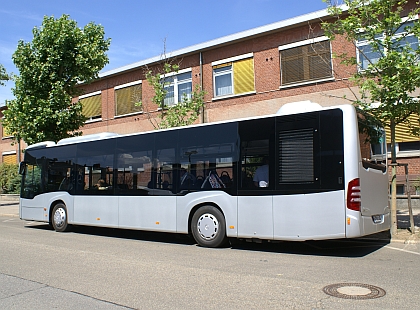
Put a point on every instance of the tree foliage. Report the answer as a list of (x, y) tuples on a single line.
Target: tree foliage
[(9, 179), (183, 113), (3, 75), (59, 57), (389, 84)]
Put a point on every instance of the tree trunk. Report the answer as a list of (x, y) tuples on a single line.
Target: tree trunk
[(393, 180)]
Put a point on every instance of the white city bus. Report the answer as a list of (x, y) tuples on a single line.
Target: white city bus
[(199, 180)]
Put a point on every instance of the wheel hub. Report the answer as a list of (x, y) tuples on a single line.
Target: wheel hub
[(208, 226), (59, 217)]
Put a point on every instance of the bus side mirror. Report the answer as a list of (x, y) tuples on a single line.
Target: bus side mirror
[(22, 168)]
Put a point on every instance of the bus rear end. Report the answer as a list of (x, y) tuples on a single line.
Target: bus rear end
[(367, 207)]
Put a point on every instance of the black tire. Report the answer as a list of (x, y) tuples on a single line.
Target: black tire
[(59, 218), (208, 227)]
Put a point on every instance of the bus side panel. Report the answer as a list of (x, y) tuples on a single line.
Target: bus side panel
[(309, 216), (33, 209), (226, 203), (96, 210), (255, 217), (38, 208), (148, 212)]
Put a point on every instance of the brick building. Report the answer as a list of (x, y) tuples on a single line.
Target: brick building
[(250, 73)]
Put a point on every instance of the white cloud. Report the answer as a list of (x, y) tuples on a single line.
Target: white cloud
[(22, 15)]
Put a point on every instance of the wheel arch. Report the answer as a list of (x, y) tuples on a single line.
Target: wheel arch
[(198, 206), (52, 205)]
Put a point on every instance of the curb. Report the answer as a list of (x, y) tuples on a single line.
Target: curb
[(406, 241), (11, 215)]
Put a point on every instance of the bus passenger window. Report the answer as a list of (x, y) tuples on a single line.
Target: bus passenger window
[(257, 154), (261, 176)]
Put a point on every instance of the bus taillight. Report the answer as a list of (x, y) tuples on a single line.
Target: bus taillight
[(353, 195)]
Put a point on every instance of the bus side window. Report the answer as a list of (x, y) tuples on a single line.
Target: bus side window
[(257, 154)]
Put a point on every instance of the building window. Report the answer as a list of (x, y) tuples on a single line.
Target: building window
[(92, 105), (127, 98), (305, 61), (234, 76), (367, 54), (10, 158), (177, 87), (6, 133), (400, 189), (409, 146)]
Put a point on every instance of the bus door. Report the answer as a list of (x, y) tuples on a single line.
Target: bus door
[(94, 201), (373, 178), (256, 179)]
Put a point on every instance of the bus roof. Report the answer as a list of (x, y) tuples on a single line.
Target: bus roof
[(287, 109)]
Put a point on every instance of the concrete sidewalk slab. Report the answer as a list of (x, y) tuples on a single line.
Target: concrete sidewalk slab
[(9, 208)]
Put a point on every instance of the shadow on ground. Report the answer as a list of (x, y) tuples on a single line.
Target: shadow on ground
[(340, 247)]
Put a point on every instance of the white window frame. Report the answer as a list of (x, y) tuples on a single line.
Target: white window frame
[(128, 84), (303, 43), (229, 71), (124, 86), (90, 94), (362, 43), (403, 154), (92, 120), (8, 153), (175, 84)]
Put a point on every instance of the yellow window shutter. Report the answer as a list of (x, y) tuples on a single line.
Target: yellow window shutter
[(92, 106), (402, 131), (227, 64), (126, 98), (243, 76), (10, 159), (6, 133)]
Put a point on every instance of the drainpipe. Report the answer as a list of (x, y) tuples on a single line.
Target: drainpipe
[(201, 85)]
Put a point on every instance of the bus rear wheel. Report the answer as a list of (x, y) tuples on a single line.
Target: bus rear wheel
[(59, 218), (208, 227)]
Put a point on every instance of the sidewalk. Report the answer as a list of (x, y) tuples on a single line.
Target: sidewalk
[(11, 208), (403, 224)]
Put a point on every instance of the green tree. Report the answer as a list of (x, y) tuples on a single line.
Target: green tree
[(3, 75), (59, 57), (9, 179), (388, 82)]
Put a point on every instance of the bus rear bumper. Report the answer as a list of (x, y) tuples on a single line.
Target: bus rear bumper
[(378, 225), (368, 225)]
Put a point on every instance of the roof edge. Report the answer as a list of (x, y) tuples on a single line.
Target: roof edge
[(223, 40)]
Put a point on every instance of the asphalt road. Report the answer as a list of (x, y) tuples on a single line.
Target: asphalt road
[(100, 268)]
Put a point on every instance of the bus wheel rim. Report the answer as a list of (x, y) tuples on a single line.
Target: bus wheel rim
[(208, 226), (59, 217)]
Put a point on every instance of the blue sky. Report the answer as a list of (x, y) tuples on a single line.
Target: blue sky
[(138, 28)]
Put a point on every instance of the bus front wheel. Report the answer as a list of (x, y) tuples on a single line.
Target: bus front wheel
[(59, 218), (208, 227)]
